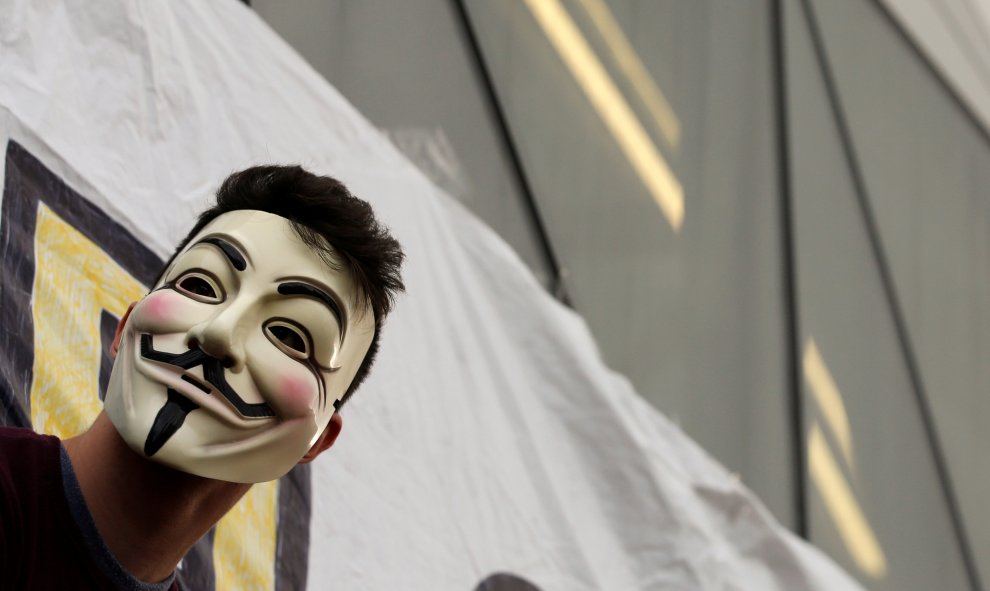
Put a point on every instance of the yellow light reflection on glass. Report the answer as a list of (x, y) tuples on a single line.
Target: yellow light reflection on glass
[(630, 64), (842, 506), (590, 75), (829, 398)]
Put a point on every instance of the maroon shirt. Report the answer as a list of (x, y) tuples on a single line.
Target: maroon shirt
[(47, 536)]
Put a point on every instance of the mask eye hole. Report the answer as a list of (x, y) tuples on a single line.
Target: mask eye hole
[(291, 339), (199, 286)]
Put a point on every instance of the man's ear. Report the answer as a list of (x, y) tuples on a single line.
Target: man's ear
[(115, 345), (326, 439)]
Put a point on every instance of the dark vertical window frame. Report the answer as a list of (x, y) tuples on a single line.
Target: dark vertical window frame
[(890, 293), (799, 475), (558, 286)]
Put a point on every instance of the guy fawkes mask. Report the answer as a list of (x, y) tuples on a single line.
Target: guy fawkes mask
[(233, 365)]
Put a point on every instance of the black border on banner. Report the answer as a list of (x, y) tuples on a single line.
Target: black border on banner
[(28, 183)]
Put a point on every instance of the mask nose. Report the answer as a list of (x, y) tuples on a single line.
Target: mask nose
[(218, 338)]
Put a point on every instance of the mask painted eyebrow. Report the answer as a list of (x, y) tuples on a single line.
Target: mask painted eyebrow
[(230, 251), (305, 289)]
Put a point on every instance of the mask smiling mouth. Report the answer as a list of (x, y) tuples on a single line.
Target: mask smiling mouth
[(173, 414)]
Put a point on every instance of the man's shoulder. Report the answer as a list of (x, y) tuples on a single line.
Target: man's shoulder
[(30, 485), (25, 441), (26, 456), (25, 436)]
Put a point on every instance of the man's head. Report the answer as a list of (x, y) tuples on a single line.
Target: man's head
[(263, 323)]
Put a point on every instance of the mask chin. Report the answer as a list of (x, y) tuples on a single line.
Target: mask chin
[(167, 427), (262, 457)]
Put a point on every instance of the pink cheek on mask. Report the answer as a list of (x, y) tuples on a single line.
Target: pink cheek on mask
[(159, 307), (297, 394)]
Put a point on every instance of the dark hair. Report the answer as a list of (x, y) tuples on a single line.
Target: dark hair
[(329, 220)]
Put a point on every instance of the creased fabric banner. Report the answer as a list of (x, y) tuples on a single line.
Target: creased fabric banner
[(490, 450)]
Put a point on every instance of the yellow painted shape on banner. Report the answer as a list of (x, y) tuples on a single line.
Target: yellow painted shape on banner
[(244, 546), (74, 281)]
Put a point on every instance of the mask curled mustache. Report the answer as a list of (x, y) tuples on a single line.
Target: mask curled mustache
[(173, 414)]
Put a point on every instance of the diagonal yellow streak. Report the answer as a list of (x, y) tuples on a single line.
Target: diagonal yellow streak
[(630, 64), (829, 398), (841, 504), (605, 97)]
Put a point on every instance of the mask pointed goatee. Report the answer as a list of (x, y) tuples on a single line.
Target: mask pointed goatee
[(167, 421)]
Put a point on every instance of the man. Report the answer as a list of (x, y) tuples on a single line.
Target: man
[(230, 372)]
